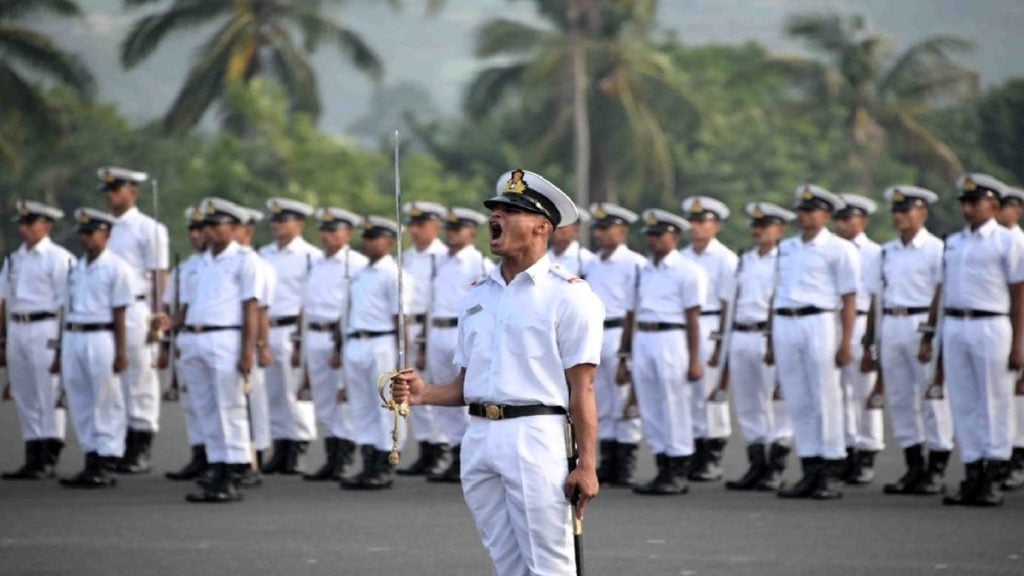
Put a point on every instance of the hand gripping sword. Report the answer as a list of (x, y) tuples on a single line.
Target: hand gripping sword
[(400, 410)]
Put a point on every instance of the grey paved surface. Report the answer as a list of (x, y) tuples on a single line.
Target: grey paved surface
[(296, 528)]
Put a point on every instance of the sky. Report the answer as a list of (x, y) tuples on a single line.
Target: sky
[(436, 51)]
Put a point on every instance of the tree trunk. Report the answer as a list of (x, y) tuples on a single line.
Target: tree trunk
[(580, 91)]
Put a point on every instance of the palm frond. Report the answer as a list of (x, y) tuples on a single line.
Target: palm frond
[(490, 86), (505, 37), (827, 33), (919, 146), (43, 56), (149, 31), (10, 9), (293, 70), (316, 28), (928, 69), (19, 95)]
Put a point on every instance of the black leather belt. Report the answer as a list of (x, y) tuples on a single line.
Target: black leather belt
[(76, 327), (614, 322), (444, 322), (323, 326), (200, 328), (361, 334), (418, 319), (498, 412), (862, 312), (32, 317), (659, 326), (902, 311), (283, 321), (140, 298), (963, 313), (805, 311), (710, 312), (752, 327)]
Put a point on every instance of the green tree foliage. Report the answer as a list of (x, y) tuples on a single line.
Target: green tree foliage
[(1001, 132)]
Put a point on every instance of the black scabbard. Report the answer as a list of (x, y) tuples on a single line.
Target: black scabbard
[(577, 524)]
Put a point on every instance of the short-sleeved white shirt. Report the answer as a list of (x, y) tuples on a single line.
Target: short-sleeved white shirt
[(669, 288), (756, 278), (816, 273), (421, 266), (36, 279), (456, 274), (224, 282), (329, 281), (574, 259), (142, 243), (97, 287), (188, 272), (516, 340), (719, 265), (911, 272), (291, 264), (374, 296), (980, 266), (614, 279), (870, 258)]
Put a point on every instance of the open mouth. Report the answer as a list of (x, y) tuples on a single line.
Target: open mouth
[(495, 230)]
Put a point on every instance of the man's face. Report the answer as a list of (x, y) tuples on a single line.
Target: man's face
[(812, 219), (334, 240), (286, 229), (424, 231), (93, 241), (122, 198), (564, 236), (512, 231), (979, 210), (197, 239), (220, 234), (766, 233), (850, 227), (378, 247), (904, 219), (1009, 215), (610, 237), (459, 237), (704, 230), (662, 243), (34, 230)]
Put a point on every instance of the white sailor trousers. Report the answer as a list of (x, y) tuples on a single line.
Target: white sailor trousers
[(29, 357), (660, 361), (805, 350), (864, 429), (218, 394), (979, 382), (915, 420), (612, 399), (94, 393), (290, 418), (366, 359), (185, 342), (1018, 420), (325, 381), (425, 427), (752, 384), (450, 421), (139, 380), (259, 407), (710, 419), (513, 477)]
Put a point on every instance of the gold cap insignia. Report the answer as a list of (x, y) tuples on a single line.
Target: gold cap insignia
[(452, 216), (416, 211), (367, 223), (108, 176), (328, 216), (970, 185), (83, 218), (808, 193), (275, 207), (652, 219), (696, 206), (211, 209), (758, 213), (197, 215), (898, 196), (600, 214), (23, 209), (516, 184)]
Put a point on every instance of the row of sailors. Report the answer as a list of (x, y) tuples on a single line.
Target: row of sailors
[(648, 354)]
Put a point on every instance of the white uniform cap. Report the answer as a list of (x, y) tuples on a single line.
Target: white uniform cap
[(977, 185), (93, 219), (374, 226), (282, 208), (1012, 193), (608, 214), (768, 213), (29, 208), (658, 221), (701, 207), (217, 210), (814, 197), (423, 210), (194, 216), (464, 217), (112, 177), (531, 192), (901, 194), (857, 205), (332, 216)]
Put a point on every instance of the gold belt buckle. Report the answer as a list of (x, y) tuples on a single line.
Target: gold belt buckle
[(76, 327), (493, 412), (22, 318), (195, 329)]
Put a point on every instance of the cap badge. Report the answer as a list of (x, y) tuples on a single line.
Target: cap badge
[(652, 219), (367, 223), (23, 209), (970, 185), (808, 193), (108, 176), (898, 196), (83, 218), (328, 216), (758, 213), (516, 184), (696, 206), (275, 207), (211, 209), (197, 215), (600, 214), (416, 211), (452, 216)]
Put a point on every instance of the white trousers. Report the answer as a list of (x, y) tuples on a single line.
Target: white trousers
[(366, 359), (612, 398), (710, 419), (450, 421), (259, 408), (185, 342), (762, 419), (94, 392), (980, 385), (422, 418), (29, 357), (915, 420), (805, 350), (663, 394), (290, 418), (1018, 404), (513, 474), (325, 381), (218, 394), (864, 429), (139, 381)]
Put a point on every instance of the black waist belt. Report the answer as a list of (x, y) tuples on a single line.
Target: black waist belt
[(901, 311), (75, 327), (140, 298), (32, 317), (752, 327), (200, 328), (659, 326), (805, 311), (283, 321), (360, 334), (444, 322), (418, 318), (710, 312), (862, 312), (963, 313), (614, 323), (323, 326), (498, 412)]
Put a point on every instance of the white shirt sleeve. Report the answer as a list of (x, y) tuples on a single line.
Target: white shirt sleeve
[(123, 290), (694, 287), (580, 328), (846, 268)]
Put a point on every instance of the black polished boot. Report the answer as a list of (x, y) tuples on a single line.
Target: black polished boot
[(754, 474), (772, 480), (934, 479), (293, 457), (711, 465), (699, 455), (914, 458), (329, 470), (442, 460), (369, 453), (33, 467), (606, 469), (804, 488), (647, 488), (423, 462), (850, 468), (138, 445), (671, 478), (383, 475), (452, 474), (1015, 477), (278, 459), (220, 489), (194, 467), (51, 450), (970, 487), (625, 465), (247, 476), (98, 473), (989, 494), (864, 472), (346, 458), (828, 485)]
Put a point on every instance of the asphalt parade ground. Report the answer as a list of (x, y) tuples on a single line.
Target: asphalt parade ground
[(291, 527)]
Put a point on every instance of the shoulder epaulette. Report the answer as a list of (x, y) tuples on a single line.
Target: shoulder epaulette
[(564, 274)]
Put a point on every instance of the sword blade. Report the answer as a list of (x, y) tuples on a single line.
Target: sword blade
[(398, 258)]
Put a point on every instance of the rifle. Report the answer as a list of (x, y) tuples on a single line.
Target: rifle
[(156, 333), (305, 392), (724, 337), (173, 393), (933, 370), (339, 331), (873, 337), (631, 409), (6, 396), (577, 524), (56, 344)]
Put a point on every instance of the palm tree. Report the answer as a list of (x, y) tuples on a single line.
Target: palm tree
[(255, 37), (882, 97), (593, 69), (25, 53)]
